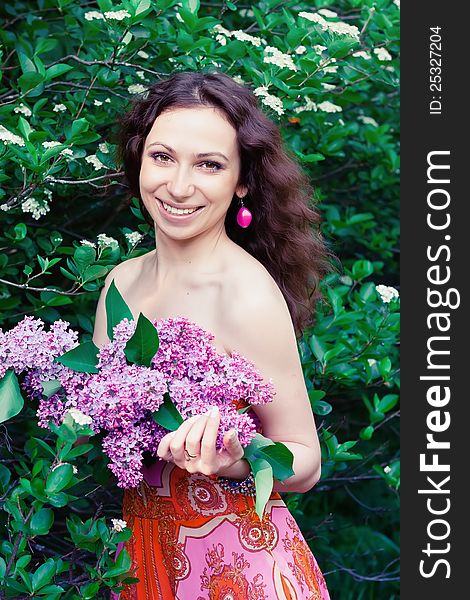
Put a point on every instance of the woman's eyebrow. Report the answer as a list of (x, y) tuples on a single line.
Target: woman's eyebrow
[(200, 155)]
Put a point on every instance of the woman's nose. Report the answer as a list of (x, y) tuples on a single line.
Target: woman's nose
[(180, 183)]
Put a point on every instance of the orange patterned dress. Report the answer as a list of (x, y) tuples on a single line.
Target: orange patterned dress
[(192, 540)]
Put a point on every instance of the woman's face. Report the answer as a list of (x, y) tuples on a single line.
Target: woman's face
[(190, 160)]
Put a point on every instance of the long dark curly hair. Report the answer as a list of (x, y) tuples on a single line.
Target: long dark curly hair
[(284, 234)]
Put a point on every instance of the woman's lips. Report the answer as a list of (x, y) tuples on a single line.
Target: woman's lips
[(176, 218)]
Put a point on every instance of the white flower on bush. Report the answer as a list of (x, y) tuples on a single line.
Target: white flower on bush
[(276, 57), (328, 65), (79, 417), (5, 207), (51, 144), (23, 109), (10, 138), (300, 50), (382, 54), (371, 362), (74, 469), (93, 14), (337, 27), (140, 74), (246, 37), (66, 152), (329, 107), (362, 54), (367, 120), (219, 29), (387, 293), (319, 48), (133, 238), (221, 39), (136, 88), (327, 13), (95, 161), (104, 240), (142, 54), (387, 469), (238, 79), (117, 15), (59, 108), (97, 102), (118, 524), (309, 106), (36, 208), (397, 3), (270, 100), (108, 100), (103, 148), (328, 86), (88, 244)]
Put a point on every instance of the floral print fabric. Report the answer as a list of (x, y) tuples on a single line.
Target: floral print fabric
[(192, 540)]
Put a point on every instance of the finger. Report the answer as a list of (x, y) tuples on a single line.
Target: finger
[(177, 443), (163, 449), (209, 438), (194, 437), (232, 444)]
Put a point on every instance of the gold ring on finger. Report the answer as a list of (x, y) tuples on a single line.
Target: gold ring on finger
[(187, 455)]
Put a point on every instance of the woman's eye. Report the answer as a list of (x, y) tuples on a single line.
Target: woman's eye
[(213, 166), (159, 155), (210, 165)]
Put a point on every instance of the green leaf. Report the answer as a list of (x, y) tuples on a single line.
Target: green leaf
[(49, 388), (280, 458), (44, 574), (90, 590), (94, 272), (387, 403), (29, 80), (57, 70), (361, 269), (42, 521), (11, 400), (191, 5), (20, 230), (59, 478), (168, 415), (83, 358), (116, 309), (264, 481), (317, 347), (121, 566), (84, 256), (140, 6), (24, 127), (321, 408), (143, 345)]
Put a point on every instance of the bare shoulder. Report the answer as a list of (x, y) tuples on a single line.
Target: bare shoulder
[(253, 301), (126, 274)]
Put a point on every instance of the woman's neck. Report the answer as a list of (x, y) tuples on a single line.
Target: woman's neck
[(186, 258)]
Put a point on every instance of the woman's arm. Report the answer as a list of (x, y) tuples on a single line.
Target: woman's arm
[(260, 328)]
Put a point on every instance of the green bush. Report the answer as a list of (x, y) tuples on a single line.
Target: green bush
[(68, 69)]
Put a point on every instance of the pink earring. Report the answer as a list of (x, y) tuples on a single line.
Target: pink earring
[(244, 216)]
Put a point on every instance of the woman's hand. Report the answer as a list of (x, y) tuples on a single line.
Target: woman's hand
[(198, 435)]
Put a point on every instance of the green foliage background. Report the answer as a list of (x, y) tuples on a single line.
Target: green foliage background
[(58, 542)]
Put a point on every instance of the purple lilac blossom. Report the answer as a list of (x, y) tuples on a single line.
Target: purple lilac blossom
[(121, 398)]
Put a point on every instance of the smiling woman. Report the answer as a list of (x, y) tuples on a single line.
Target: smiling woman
[(192, 149)]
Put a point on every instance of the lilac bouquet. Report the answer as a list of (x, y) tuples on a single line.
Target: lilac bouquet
[(148, 379)]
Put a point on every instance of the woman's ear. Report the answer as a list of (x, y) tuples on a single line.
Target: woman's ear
[(241, 191)]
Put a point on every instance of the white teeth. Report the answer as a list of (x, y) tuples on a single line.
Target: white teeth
[(178, 211)]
